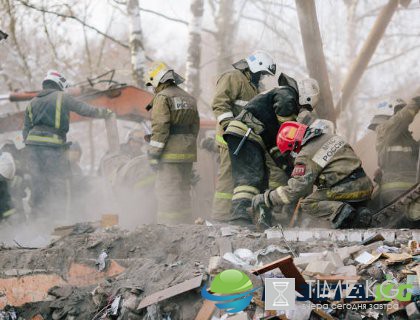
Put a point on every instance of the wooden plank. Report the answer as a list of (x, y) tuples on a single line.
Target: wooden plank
[(206, 311), (171, 292)]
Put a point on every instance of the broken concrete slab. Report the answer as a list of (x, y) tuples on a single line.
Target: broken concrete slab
[(346, 252), (335, 259), (171, 292), (347, 270), (320, 267), (214, 265), (305, 258), (225, 246)]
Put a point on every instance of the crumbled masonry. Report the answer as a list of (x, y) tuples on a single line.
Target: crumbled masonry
[(157, 271)]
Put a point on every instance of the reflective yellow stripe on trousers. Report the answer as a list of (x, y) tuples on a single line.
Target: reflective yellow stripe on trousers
[(223, 195), (244, 192)]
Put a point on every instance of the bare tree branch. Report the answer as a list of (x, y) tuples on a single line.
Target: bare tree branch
[(12, 27), (174, 19), (393, 57), (73, 17)]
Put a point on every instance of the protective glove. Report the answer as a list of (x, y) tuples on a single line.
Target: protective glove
[(208, 144), (262, 199)]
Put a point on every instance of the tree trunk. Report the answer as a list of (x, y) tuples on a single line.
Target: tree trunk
[(194, 48), (314, 55), (138, 56), (225, 34), (360, 63)]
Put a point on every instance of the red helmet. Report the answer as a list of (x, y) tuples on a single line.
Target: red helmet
[(290, 136)]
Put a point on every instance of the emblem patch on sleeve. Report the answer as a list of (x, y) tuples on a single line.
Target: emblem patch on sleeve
[(299, 170)]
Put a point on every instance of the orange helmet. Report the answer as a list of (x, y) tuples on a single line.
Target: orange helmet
[(290, 136)]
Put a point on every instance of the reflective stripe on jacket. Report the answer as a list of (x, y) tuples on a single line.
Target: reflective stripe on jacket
[(233, 91), (47, 117), (175, 125)]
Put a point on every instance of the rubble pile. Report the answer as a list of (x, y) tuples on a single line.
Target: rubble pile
[(157, 271)]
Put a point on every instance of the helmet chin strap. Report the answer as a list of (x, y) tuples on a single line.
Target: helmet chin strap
[(255, 79)]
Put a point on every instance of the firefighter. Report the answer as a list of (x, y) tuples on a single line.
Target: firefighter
[(134, 145), (173, 143), (21, 180), (398, 154), (258, 158), (327, 161), (7, 172), (46, 125), (234, 89)]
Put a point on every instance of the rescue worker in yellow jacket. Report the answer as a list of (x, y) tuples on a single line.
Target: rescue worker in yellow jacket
[(398, 156), (327, 161), (234, 89), (173, 143), (47, 120)]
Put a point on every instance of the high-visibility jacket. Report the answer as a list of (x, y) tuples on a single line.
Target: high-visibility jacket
[(397, 150), (175, 125), (233, 91), (47, 117)]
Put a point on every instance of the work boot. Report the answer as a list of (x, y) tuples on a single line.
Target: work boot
[(343, 218), (363, 218), (240, 214)]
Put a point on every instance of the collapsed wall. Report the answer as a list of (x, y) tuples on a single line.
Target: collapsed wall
[(156, 271)]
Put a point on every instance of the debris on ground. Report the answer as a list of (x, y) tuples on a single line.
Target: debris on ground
[(157, 271)]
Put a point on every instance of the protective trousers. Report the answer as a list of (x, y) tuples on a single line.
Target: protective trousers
[(327, 202), (222, 201), (250, 175), (50, 180), (172, 188)]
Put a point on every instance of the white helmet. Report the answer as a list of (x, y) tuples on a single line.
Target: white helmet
[(57, 77), (308, 92), (261, 61), (326, 126), (160, 72), (7, 166)]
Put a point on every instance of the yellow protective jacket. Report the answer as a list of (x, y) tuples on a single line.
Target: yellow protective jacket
[(175, 125), (233, 91), (397, 150), (326, 161)]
